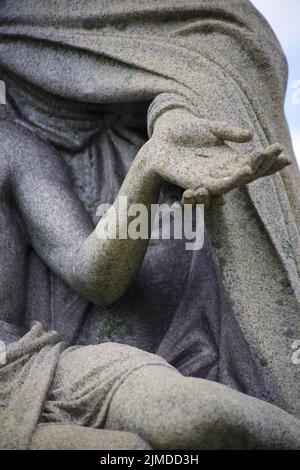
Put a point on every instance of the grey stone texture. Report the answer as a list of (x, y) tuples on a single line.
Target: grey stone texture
[(113, 98)]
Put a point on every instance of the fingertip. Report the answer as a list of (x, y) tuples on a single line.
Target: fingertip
[(272, 151), (282, 162), (246, 171), (246, 136), (276, 149), (188, 193), (201, 192), (238, 135), (189, 197), (286, 162), (202, 196)]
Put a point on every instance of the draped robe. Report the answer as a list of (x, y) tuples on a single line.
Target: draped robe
[(82, 75)]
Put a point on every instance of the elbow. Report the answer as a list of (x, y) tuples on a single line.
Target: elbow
[(100, 283), (99, 293), (102, 298)]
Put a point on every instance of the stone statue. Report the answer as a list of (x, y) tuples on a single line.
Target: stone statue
[(149, 345)]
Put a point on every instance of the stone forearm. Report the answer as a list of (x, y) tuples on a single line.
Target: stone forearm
[(105, 267)]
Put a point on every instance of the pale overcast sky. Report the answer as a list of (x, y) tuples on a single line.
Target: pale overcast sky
[(284, 17)]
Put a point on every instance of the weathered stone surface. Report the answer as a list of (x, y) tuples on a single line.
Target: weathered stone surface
[(72, 437), (84, 83)]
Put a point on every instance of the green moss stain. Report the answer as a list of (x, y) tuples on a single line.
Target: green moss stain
[(222, 264), (267, 132), (217, 244), (285, 286), (288, 333), (111, 330), (118, 329), (263, 362), (238, 195), (288, 249)]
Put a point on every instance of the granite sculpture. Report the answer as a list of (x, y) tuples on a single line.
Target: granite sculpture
[(134, 343)]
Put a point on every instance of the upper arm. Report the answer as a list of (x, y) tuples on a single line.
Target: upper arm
[(56, 221)]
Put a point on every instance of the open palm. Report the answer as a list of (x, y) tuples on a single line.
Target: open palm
[(195, 154)]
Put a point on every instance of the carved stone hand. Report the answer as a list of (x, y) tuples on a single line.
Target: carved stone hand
[(195, 154)]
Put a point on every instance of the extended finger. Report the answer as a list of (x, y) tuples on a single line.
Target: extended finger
[(189, 197), (202, 196), (226, 131), (240, 177), (263, 161), (198, 196), (279, 164)]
